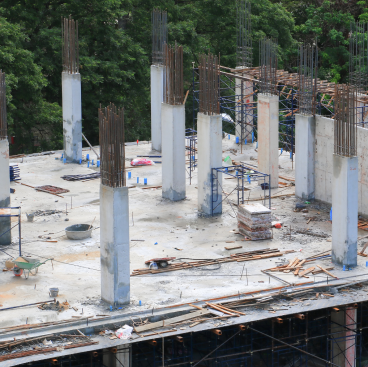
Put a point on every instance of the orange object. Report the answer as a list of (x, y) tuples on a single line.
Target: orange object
[(278, 225)]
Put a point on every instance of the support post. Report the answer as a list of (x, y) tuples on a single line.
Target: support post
[(5, 222), (114, 242), (344, 210), (157, 98), (173, 151), (122, 358), (209, 131), (72, 116), (305, 137), (268, 136)]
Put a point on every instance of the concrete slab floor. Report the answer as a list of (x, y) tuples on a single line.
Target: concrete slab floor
[(175, 226)]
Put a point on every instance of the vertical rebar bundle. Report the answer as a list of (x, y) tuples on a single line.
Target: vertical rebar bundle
[(244, 50), (307, 83), (159, 36), (358, 61), (268, 65), (69, 29), (3, 120), (208, 85), (173, 89), (345, 131), (112, 145)]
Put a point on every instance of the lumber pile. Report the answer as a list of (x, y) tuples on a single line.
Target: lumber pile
[(254, 221), (239, 257)]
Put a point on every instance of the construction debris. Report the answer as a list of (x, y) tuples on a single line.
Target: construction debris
[(90, 176)]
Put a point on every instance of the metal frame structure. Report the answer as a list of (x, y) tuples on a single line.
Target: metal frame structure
[(69, 29), (159, 36), (112, 143), (3, 116), (268, 69), (244, 174), (173, 83), (191, 136), (244, 49)]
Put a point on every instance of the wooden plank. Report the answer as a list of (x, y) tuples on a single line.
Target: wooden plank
[(233, 248), (173, 320), (327, 272), (307, 271)]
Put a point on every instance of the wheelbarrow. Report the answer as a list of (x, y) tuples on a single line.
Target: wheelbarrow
[(26, 268)]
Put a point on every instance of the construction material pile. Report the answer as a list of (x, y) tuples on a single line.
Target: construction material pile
[(254, 221)]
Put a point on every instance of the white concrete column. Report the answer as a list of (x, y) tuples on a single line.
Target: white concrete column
[(121, 358), (173, 151), (114, 245), (5, 223), (344, 210), (209, 138), (157, 97), (72, 116), (268, 137), (243, 94), (305, 137)]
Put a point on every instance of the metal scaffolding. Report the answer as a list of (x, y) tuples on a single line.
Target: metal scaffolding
[(112, 145), (69, 29), (3, 118), (159, 36), (244, 49), (173, 88)]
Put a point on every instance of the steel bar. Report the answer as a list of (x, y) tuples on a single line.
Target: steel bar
[(173, 89), (268, 65), (29, 304), (3, 119), (307, 83), (244, 50), (209, 85), (159, 36), (112, 146), (70, 46)]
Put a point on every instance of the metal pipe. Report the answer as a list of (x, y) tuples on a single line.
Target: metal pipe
[(90, 146), (29, 304)]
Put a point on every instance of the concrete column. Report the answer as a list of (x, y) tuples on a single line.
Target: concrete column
[(243, 112), (268, 137), (344, 210), (114, 245), (343, 344), (157, 97), (122, 358), (173, 151), (209, 138), (72, 116), (5, 223), (305, 137)]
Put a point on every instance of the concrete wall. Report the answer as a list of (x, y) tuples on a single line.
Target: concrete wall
[(4, 191), (72, 116), (173, 151), (157, 97), (268, 137), (114, 245), (323, 163), (209, 133)]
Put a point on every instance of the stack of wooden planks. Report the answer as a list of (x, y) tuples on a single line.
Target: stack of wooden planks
[(241, 256)]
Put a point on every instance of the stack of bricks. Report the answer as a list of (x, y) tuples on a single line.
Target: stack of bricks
[(254, 221)]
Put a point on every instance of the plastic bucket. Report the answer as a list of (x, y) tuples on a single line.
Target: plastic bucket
[(30, 217), (53, 292)]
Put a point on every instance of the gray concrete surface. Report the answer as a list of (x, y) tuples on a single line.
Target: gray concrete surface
[(157, 97)]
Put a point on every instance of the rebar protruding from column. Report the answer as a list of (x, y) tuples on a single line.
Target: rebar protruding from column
[(159, 36), (345, 130), (112, 146), (69, 29), (358, 60), (3, 120), (173, 88), (208, 85), (244, 50), (307, 83), (268, 65)]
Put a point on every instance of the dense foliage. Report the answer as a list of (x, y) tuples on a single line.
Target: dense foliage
[(115, 53)]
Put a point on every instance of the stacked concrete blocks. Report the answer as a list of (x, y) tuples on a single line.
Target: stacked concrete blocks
[(254, 221)]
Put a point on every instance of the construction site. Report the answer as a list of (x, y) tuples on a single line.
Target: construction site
[(239, 241)]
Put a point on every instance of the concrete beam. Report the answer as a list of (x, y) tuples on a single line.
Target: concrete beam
[(114, 245), (344, 210), (173, 152), (305, 137), (268, 137), (209, 137), (5, 222), (72, 116), (157, 97)]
